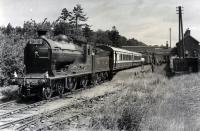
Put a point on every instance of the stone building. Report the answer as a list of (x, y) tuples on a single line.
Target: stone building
[(191, 45)]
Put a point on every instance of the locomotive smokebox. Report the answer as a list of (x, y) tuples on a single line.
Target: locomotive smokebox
[(44, 54)]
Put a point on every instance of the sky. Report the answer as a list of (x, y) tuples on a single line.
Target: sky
[(145, 20)]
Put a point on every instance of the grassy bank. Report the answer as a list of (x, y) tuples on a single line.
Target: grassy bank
[(151, 102), (127, 109), (178, 110), (8, 93)]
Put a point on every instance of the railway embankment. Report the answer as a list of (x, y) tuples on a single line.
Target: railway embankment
[(149, 102), (73, 105), (132, 100)]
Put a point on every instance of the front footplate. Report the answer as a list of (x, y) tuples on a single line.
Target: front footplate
[(30, 86)]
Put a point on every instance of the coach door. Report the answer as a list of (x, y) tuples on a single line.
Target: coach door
[(115, 59)]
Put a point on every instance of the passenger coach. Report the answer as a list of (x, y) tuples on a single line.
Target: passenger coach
[(121, 58)]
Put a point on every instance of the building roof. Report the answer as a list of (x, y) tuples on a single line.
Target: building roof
[(189, 36)]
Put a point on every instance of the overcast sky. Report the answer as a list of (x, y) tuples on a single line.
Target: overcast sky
[(146, 20)]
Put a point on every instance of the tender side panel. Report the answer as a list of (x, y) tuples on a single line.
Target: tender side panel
[(102, 63)]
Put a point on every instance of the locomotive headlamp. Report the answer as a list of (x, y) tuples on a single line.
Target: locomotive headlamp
[(142, 59), (15, 74), (46, 75)]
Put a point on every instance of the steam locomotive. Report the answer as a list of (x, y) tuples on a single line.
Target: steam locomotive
[(56, 66)]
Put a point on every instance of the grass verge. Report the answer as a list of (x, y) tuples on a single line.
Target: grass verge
[(8, 93), (125, 111), (152, 103)]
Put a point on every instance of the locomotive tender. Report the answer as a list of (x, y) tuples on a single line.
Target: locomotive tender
[(55, 66)]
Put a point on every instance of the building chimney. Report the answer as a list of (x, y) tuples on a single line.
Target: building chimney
[(41, 32), (187, 33), (167, 45)]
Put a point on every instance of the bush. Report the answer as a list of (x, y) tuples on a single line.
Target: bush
[(125, 110), (9, 92), (12, 56)]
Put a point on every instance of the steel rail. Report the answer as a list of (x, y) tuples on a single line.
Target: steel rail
[(29, 118), (56, 111), (6, 103)]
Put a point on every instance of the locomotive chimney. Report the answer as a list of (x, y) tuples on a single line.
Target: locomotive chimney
[(41, 33)]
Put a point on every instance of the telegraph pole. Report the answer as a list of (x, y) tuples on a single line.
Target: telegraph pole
[(170, 37), (182, 50)]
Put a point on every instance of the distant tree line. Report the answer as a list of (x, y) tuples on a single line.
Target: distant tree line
[(71, 23)]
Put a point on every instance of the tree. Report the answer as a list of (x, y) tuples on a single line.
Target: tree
[(134, 42), (62, 25), (63, 28), (101, 37), (122, 41), (87, 32), (9, 29), (78, 15), (114, 36), (19, 30), (65, 15), (30, 29)]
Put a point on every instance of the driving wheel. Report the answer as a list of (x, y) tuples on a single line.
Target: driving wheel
[(46, 92), (60, 88), (71, 83)]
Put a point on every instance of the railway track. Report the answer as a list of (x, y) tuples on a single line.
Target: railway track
[(3, 105), (72, 115), (67, 121), (16, 114)]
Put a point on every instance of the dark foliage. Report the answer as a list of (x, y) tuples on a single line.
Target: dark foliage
[(114, 36), (134, 42)]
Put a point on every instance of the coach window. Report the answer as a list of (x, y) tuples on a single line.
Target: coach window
[(118, 57)]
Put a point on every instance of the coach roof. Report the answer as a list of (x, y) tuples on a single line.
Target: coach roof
[(111, 48)]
